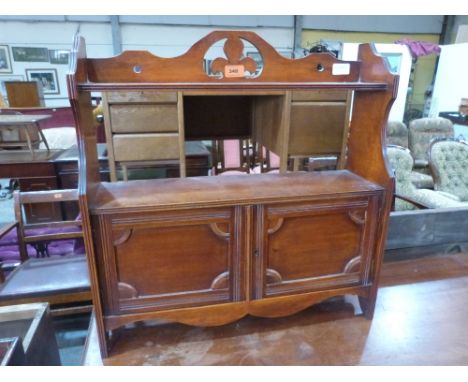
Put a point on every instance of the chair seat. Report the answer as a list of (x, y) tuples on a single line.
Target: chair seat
[(42, 277)]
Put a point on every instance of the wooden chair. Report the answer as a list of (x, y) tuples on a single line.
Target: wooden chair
[(232, 156), (62, 281)]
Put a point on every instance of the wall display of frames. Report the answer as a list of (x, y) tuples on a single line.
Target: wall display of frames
[(29, 54), (5, 61), (47, 77)]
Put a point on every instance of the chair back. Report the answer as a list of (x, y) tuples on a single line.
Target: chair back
[(422, 131), (40, 234), (397, 134), (449, 163), (231, 155), (402, 163)]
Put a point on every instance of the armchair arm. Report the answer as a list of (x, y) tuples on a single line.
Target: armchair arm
[(412, 201)]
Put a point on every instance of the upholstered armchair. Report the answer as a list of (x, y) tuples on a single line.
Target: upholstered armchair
[(448, 160), (407, 196), (421, 132), (397, 133)]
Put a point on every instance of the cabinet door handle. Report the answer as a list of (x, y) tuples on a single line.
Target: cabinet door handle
[(256, 253)]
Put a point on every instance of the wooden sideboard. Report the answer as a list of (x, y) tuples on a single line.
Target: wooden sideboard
[(210, 250)]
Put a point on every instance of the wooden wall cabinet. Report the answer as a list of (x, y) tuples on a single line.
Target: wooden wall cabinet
[(210, 250)]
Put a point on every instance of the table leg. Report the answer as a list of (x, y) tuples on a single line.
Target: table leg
[(28, 139), (42, 136)]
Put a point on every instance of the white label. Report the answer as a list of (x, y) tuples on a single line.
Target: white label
[(341, 69)]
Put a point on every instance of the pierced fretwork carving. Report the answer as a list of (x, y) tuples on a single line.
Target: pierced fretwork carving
[(124, 236), (235, 65)]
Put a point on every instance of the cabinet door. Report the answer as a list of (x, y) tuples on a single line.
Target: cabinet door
[(165, 260), (303, 247)]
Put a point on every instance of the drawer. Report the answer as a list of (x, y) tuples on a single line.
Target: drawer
[(143, 147), (320, 95), (143, 118), (142, 97)]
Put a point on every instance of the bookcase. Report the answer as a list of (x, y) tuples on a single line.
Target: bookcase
[(210, 250)]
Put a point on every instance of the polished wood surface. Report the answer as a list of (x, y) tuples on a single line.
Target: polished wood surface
[(226, 228), (204, 191), (24, 93), (420, 310)]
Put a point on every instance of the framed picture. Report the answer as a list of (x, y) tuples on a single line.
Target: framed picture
[(59, 56), (21, 53), (47, 77), (5, 62), (4, 79)]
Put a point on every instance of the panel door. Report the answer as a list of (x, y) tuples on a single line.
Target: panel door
[(303, 247), (171, 259)]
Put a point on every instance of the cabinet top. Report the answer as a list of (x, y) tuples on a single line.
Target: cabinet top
[(262, 68), (227, 190)]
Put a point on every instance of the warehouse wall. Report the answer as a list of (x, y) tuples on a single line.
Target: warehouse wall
[(172, 35), (424, 68)]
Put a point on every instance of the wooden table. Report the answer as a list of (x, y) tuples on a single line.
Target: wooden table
[(19, 121)]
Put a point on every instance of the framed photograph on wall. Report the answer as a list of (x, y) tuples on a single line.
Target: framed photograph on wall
[(59, 56), (27, 54), (5, 61), (4, 79), (47, 77)]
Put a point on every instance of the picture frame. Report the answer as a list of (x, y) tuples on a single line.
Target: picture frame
[(30, 54), (59, 56), (5, 60), (48, 78), (4, 79)]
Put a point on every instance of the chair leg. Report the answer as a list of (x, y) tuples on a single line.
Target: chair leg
[(42, 250)]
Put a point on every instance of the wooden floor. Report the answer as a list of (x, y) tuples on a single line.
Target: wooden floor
[(421, 318)]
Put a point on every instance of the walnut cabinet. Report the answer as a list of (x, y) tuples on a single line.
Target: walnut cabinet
[(211, 250)]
